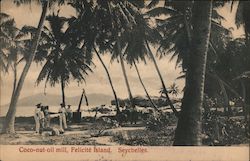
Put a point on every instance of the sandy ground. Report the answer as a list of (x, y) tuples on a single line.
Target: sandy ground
[(87, 133), (75, 136)]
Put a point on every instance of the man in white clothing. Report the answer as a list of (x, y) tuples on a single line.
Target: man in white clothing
[(36, 117), (46, 116), (69, 113), (41, 118), (62, 117)]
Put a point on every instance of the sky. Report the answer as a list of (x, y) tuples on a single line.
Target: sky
[(97, 81)]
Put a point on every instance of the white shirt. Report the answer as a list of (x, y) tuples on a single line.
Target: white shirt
[(41, 115), (62, 110), (37, 111)]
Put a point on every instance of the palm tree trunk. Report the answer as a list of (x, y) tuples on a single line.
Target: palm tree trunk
[(188, 131), (149, 98), (188, 30), (14, 83), (63, 92), (110, 81), (131, 99), (162, 82), (14, 79), (10, 117)]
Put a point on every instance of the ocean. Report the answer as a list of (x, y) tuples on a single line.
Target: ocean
[(26, 111)]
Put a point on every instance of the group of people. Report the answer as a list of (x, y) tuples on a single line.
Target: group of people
[(42, 117)]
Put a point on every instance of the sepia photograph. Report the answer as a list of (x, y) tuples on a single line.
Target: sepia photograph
[(98, 76)]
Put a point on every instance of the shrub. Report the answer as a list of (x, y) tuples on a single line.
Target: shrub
[(102, 124), (223, 130), (160, 121), (145, 137)]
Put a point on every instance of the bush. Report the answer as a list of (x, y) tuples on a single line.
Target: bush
[(102, 124), (160, 121), (223, 130), (145, 138)]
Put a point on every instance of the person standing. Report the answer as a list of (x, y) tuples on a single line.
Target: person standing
[(41, 119), (62, 117), (36, 117), (47, 116), (69, 113)]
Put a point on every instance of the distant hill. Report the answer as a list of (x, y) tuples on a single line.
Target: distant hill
[(53, 100)]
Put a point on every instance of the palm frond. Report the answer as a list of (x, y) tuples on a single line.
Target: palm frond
[(161, 11), (153, 4)]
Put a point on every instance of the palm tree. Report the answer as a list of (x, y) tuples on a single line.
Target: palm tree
[(134, 45), (106, 21), (88, 24), (110, 81), (16, 53), (10, 117), (131, 98), (176, 30), (12, 47), (138, 44), (123, 19), (8, 29), (64, 59), (165, 91), (188, 131), (147, 94)]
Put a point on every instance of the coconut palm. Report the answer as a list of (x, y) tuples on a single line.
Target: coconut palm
[(64, 60), (16, 54), (8, 30), (121, 44), (176, 30), (135, 45), (138, 45), (12, 47), (123, 19), (188, 131), (131, 98), (146, 91), (10, 117), (87, 24), (165, 91), (106, 20), (179, 40)]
